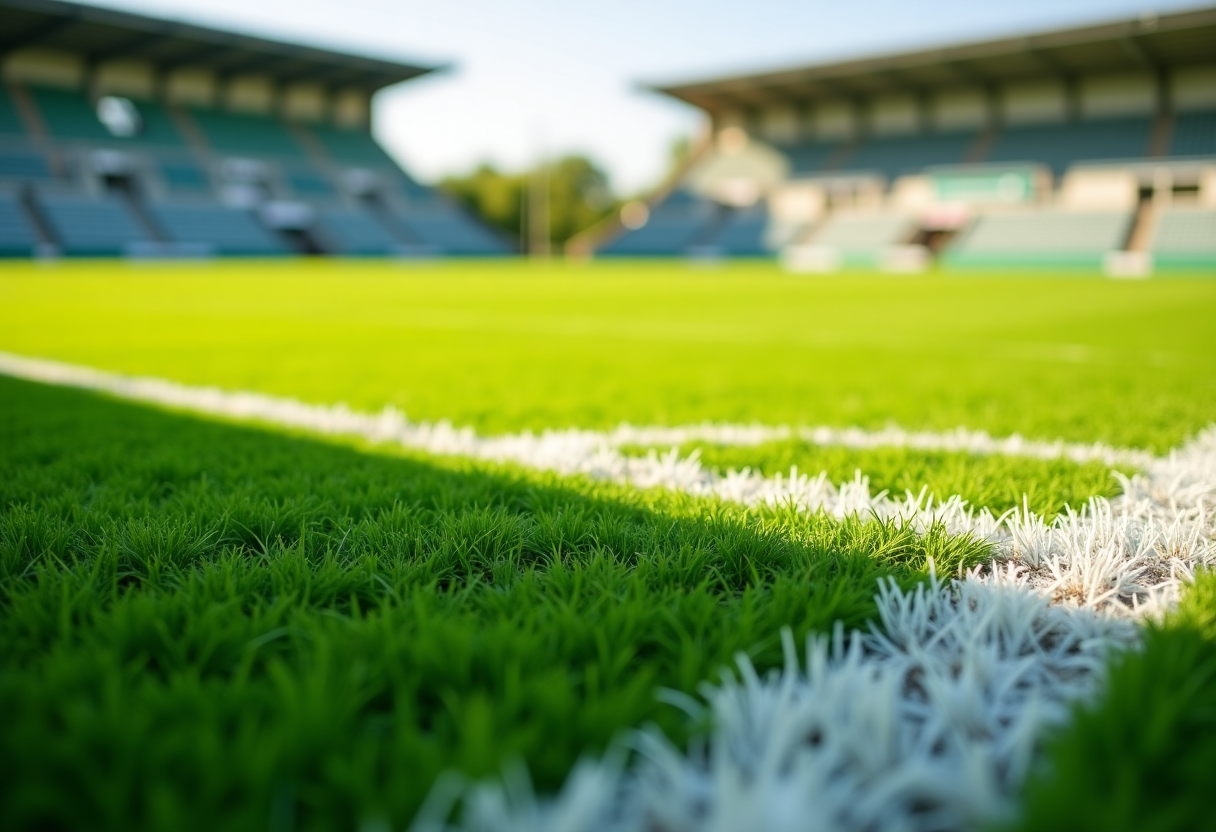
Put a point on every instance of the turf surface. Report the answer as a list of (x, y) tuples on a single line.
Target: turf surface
[(208, 625), (303, 630), (504, 346)]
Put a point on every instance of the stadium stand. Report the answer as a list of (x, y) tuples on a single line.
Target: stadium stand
[(1053, 237), (92, 227), (974, 153), (118, 155), (1185, 237)]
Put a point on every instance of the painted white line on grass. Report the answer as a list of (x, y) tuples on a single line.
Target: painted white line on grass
[(927, 722), (930, 721), (572, 445), (1129, 553)]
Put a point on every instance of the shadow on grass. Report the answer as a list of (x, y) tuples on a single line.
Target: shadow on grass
[(209, 626)]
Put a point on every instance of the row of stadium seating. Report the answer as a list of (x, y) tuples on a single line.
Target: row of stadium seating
[(112, 224), (690, 225), (698, 226), (1055, 145), (177, 177)]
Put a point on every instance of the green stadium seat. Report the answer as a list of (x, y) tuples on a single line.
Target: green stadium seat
[(241, 133), (1060, 145), (1194, 134), (10, 120)]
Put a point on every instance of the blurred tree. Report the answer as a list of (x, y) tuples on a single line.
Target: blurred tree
[(578, 196)]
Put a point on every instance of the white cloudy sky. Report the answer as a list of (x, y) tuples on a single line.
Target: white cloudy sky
[(536, 77)]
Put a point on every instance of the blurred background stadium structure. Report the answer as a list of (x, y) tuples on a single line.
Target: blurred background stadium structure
[(1082, 147), (1095, 146), (124, 134)]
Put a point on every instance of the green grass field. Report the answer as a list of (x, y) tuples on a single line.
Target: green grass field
[(210, 625)]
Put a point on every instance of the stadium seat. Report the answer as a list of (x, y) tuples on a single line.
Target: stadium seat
[(1185, 237), (1194, 134), (861, 238), (677, 223), (1060, 145), (17, 237), (71, 116), (88, 226), (444, 229), (250, 134), (742, 233), (22, 164), (898, 155), (351, 146), (1048, 236), (308, 183), (354, 232), (810, 156), (229, 231), (183, 177), (10, 119)]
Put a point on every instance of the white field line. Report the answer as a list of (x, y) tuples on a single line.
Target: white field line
[(1129, 553), (929, 721)]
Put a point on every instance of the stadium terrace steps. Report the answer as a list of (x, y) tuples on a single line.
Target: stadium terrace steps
[(1046, 236), (88, 226), (743, 232), (183, 177), (350, 146)]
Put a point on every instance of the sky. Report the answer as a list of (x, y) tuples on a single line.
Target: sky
[(532, 79)]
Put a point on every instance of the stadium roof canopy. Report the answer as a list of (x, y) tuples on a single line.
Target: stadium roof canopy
[(1153, 43), (103, 34)]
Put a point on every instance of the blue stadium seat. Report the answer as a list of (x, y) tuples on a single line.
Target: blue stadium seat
[(1194, 134), (17, 237), (22, 164), (810, 156), (230, 231), (356, 232), (183, 177), (898, 155), (87, 226), (446, 230), (742, 234), (10, 120), (677, 223), (1061, 145)]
